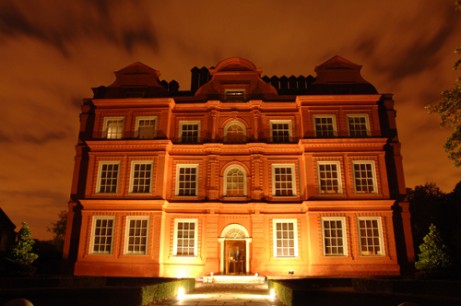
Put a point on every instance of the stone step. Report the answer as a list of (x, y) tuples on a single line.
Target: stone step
[(234, 279)]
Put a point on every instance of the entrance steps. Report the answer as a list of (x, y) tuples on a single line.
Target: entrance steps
[(234, 279)]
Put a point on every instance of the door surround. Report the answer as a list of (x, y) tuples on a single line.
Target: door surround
[(234, 232)]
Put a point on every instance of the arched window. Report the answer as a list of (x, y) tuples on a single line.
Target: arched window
[(234, 132), (235, 182)]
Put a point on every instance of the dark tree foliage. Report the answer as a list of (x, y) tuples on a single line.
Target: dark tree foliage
[(59, 229), (434, 254), (22, 251), (429, 205)]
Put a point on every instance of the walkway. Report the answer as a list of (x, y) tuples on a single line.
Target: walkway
[(212, 294)]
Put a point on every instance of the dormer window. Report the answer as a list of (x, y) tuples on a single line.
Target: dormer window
[(234, 95)]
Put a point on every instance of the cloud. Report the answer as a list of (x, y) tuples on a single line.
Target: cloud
[(122, 23)]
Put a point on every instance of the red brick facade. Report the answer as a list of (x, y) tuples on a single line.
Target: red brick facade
[(243, 174)]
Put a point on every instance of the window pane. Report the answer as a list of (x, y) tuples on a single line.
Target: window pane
[(324, 127), (333, 234), (364, 178), (108, 178), (357, 126), (102, 238), (280, 132), (185, 238), (329, 178), (285, 239), (235, 181), (114, 128), (137, 237), (142, 177), (283, 181), (187, 177), (370, 238), (189, 133)]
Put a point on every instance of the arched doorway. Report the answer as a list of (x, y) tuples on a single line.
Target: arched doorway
[(235, 250)]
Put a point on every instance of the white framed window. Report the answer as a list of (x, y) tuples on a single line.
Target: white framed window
[(185, 237), (235, 182), (107, 177), (325, 125), (281, 130), (189, 131), (370, 236), (235, 132), (358, 125), (334, 236), (113, 127), (329, 173), (234, 95), (364, 173), (283, 180), (285, 237), (186, 180), (141, 177), (136, 236), (102, 234), (146, 127)]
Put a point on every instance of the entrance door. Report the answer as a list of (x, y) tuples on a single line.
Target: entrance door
[(235, 261)]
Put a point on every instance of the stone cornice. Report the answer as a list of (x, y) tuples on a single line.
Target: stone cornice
[(343, 100), (128, 145)]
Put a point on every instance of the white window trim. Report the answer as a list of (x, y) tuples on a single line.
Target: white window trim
[(175, 237), (106, 120), (98, 180), (127, 231), (178, 166), (295, 234), (290, 127), (373, 171), (344, 237), (335, 128), (244, 179), (367, 122), (138, 162), (380, 232), (139, 118), (340, 183), (93, 227), (184, 122), (293, 178)]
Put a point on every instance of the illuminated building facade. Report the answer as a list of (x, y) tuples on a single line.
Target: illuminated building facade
[(242, 174)]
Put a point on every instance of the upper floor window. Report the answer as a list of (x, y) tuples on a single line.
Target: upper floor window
[(234, 182), (107, 177), (234, 132), (113, 127), (334, 236), (234, 95), (102, 235), (185, 237), (141, 177), (136, 237), (370, 236), (189, 131), (329, 177), (146, 127), (285, 235), (358, 125), (280, 130), (283, 180), (325, 125), (364, 176), (186, 180)]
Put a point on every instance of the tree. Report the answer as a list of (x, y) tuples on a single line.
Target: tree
[(449, 109), (59, 230), (21, 251), (434, 254)]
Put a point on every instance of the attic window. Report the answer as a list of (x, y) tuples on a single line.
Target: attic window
[(234, 95)]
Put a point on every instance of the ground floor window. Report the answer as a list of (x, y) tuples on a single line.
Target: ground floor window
[(285, 237), (102, 238), (136, 236), (185, 237), (334, 236), (370, 236)]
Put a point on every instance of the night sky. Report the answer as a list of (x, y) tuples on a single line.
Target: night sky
[(53, 52)]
